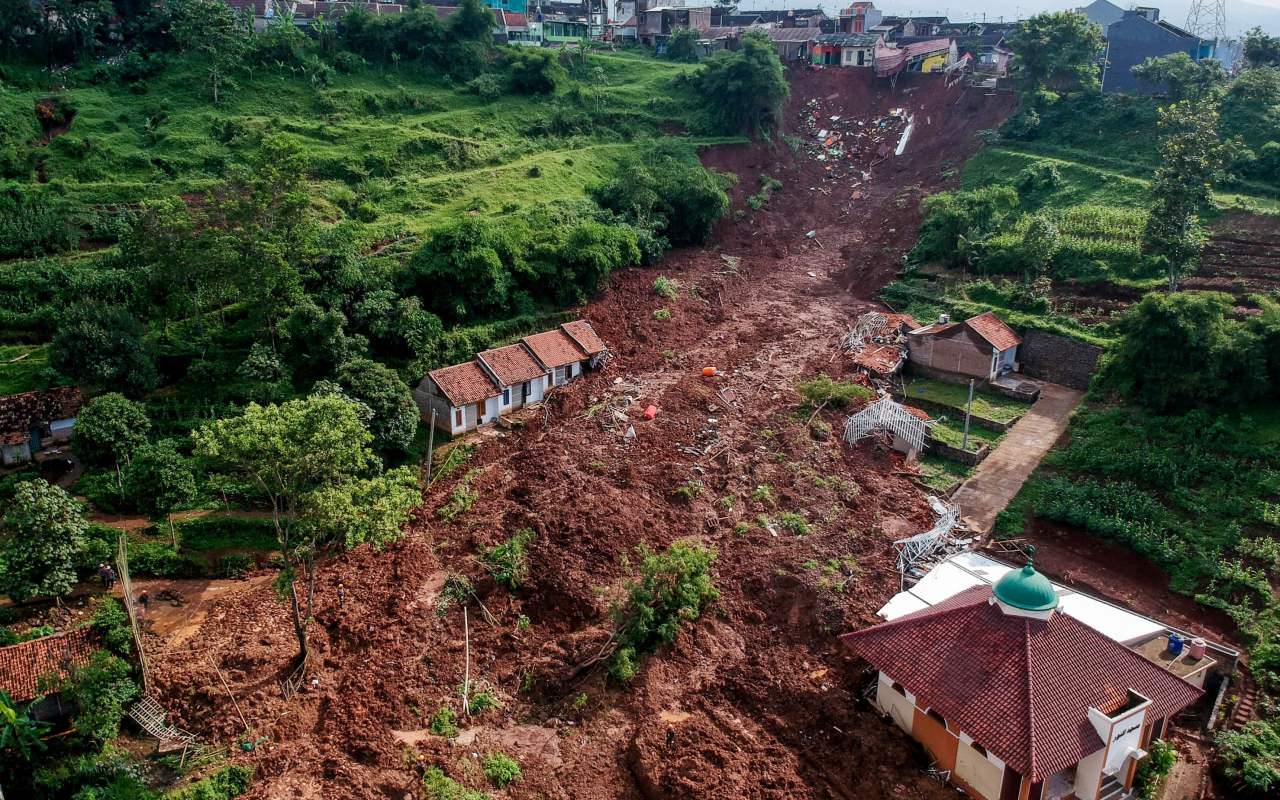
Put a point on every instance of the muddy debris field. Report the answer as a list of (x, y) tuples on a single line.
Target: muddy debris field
[(756, 699)]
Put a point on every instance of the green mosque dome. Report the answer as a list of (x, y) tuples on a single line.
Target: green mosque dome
[(1026, 589)]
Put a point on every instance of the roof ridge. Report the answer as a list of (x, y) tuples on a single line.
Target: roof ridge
[(1031, 700), (930, 612)]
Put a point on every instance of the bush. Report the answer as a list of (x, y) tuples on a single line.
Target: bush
[(444, 722), (501, 769), (674, 586), (508, 562), (794, 523), (216, 532), (439, 786), (827, 391), (1160, 759), (112, 623), (666, 287), (1250, 758), (535, 71), (163, 561), (955, 223), (487, 86), (665, 190), (100, 691), (228, 782)]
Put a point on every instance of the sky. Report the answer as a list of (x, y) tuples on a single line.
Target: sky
[(1240, 15)]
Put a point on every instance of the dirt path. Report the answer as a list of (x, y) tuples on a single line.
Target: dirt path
[(755, 700), (1000, 475)]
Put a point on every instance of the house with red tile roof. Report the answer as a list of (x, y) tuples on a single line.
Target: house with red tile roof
[(1018, 699), (518, 375), (23, 666), (981, 347), (467, 396)]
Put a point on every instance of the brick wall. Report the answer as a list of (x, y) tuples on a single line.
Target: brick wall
[(1058, 359)]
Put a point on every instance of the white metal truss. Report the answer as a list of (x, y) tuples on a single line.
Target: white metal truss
[(882, 416), (915, 549), (863, 332)]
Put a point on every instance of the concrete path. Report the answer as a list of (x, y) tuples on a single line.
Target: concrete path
[(999, 477)]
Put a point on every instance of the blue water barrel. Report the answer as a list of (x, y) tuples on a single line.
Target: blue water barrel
[(1175, 644)]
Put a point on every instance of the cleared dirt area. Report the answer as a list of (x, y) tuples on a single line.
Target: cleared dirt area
[(756, 699)]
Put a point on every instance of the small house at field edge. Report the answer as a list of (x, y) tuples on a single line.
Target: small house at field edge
[(463, 397), (518, 375), (24, 665), (1020, 693), (982, 347), (30, 419)]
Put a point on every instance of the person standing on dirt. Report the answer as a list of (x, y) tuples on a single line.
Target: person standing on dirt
[(102, 576), (108, 577), (144, 600), (342, 595)]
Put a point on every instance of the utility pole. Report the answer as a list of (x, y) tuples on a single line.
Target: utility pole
[(967, 410), (431, 447)]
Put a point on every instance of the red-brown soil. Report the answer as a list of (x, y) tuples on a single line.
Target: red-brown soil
[(756, 699)]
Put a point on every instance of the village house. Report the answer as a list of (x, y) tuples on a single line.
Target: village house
[(1141, 34), (31, 420), (24, 665), (1102, 13), (498, 381), (794, 44), (655, 25), (859, 18), (463, 396), (1024, 690), (910, 54), (980, 347), (880, 348), (517, 374), (846, 49)]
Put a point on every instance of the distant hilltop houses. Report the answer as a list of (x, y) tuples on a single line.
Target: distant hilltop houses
[(858, 36)]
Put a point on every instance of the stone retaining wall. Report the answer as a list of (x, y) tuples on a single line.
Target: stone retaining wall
[(1057, 359)]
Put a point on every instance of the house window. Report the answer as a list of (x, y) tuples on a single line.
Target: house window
[(506, 396), (457, 416)]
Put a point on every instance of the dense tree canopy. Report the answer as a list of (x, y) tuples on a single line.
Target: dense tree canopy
[(1261, 49), (1057, 50), (1181, 77), (41, 534), (1181, 351), (744, 89), (110, 429), (394, 414)]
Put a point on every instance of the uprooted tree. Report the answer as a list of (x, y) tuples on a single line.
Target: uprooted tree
[(311, 460)]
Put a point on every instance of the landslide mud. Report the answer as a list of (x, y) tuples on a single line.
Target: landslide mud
[(756, 699)]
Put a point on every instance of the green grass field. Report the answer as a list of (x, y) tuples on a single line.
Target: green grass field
[(994, 407), (20, 367)]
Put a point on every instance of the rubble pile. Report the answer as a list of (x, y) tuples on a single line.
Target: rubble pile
[(848, 145)]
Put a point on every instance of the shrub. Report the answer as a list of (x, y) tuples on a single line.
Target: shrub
[(662, 314), (100, 691), (535, 71), (666, 287), (228, 782), (794, 523), (482, 701), (673, 588), (956, 222), (112, 623), (664, 189), (439, 786), (508, 562), (487, 86), (827, 391), (689, 490), (1251, 757), (1160, 759), (444, 723), (501, 769)]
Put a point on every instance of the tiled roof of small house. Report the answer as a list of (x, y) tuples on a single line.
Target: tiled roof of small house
[(512, 364), (584, 336), (554, 348), (1021, 687), (993, 329), (23, 665), (793, 34), (19, 413), (465, 383)]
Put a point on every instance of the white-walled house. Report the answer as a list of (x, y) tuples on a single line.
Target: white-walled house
[(504, 379), (520, 379), (558, 353), (463, 396), (1024, 690)]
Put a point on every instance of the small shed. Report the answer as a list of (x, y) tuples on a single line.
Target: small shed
[(463, 396), (981, 347), (518, 375)]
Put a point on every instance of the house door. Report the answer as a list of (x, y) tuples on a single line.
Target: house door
[(525, 389)]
